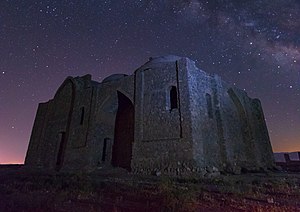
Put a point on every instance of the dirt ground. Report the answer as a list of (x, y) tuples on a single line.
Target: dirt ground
[(116, 190)]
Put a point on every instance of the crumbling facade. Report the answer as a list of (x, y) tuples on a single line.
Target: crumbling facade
[(168, 117)]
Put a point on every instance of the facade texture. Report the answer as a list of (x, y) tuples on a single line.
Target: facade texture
[(168, 117)]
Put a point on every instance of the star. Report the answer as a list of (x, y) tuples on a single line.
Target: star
[(253, 45)]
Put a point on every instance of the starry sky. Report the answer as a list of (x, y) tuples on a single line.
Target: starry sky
[(252, 44)]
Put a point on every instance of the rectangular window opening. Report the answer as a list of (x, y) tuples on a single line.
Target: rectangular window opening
[(82, 116), (173, 98), (61, 150), (105, 143)]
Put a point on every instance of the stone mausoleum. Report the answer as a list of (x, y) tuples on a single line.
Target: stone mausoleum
[(168, 117)]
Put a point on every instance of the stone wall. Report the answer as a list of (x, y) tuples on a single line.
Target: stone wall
[(102, 129), (228, 128), (206, 150), (35, 148), (168, 117), (162, 138)]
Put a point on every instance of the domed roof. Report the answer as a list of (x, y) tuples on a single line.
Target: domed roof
[(114, 77), (158, 62), (167, 58)]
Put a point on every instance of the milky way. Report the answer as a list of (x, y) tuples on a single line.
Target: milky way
[(254, 45)]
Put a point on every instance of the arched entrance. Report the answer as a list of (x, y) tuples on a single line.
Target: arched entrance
[(124, 133), (246, 132)]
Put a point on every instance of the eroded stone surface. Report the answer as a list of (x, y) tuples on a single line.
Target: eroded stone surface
[(169, 117)]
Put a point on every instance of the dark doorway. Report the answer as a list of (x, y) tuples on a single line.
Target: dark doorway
[(82, 116), (61, 150), (124, 133), (173, 97), (105, 144)]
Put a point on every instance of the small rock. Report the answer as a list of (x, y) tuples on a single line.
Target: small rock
[(212, 169), (158, 173), (270, 200), (213, 174), (215, 169)]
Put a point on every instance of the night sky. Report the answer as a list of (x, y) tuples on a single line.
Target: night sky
[(253, 44)]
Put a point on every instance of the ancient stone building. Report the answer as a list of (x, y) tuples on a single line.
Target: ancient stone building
[(168, 117)]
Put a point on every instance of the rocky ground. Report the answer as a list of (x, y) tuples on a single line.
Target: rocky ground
[(23, 190)]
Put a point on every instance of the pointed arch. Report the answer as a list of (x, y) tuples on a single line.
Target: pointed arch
[(124, 133), (244, 124)]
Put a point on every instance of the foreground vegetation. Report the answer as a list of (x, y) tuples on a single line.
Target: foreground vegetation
[(23, 190)]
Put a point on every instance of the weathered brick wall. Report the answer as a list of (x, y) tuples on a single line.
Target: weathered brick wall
[(102, 123), (206, 150), (162, 141), (184, 121), (34, 155), (228, 128)]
